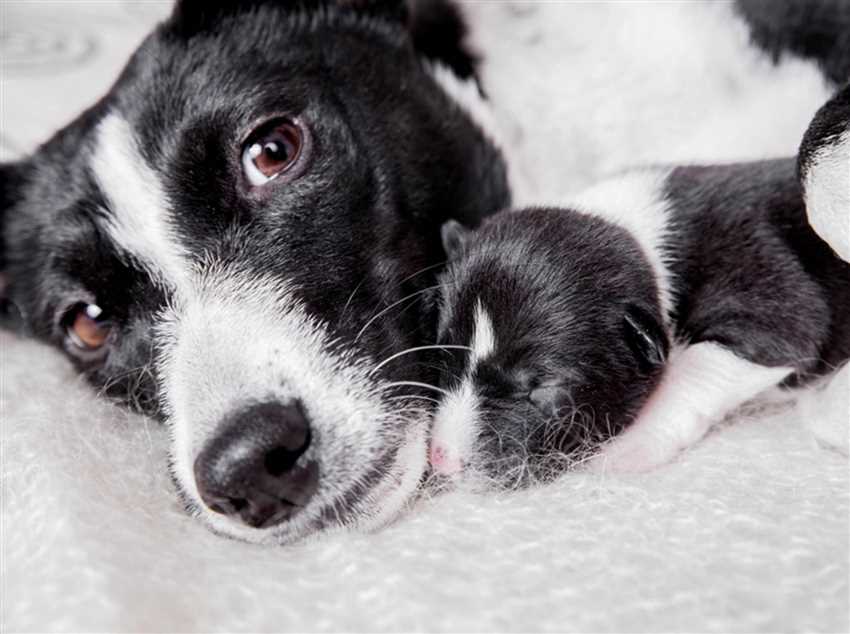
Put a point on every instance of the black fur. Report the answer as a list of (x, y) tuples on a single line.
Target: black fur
[(438, 33), (751, 274), (812, 29), (579, 340)]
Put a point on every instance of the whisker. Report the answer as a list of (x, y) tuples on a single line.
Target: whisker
[(420, 271), (351, 297), (390, 307), (415, 384), (416, 349), (413, 396)]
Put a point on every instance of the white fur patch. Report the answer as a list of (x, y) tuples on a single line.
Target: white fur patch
[(635, 201), (702, 384), (596, 87), (483, 336), (456, 421), (827, 187), (240, 338), (138, 214), (454, 429)]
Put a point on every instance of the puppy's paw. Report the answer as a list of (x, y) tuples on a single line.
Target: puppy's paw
[(629, 457)]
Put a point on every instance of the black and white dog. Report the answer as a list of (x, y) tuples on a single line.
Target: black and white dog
[(238, 233), (237, 237)]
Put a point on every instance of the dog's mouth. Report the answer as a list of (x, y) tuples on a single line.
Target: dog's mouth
[(273, 442), (373, 498)]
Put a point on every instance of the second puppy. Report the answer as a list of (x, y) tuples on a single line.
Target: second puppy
[(659, 302)]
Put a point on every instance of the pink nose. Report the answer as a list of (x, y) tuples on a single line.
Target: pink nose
[(443, 462)]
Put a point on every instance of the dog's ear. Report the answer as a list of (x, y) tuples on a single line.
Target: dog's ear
[(191, 17), (454, 237), (824, 168), (438, 31), (10, 187), (11, 184), (645, 337)]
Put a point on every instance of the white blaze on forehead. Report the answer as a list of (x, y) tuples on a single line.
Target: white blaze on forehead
[(483, 337), (457, 419), (827, 186), (636, 202), (137, 219)]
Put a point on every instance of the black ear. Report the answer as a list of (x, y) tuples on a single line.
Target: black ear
[(454, 236), (824, 169), (11, 182), (645, 337), (439, 31), (191, 17), (11, 185)]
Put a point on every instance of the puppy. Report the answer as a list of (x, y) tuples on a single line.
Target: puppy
[(561, 315), (657, 303)]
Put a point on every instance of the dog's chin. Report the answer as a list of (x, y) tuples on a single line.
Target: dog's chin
[(397, 475)]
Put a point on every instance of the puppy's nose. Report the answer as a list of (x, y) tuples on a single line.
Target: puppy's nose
[(253, 470)]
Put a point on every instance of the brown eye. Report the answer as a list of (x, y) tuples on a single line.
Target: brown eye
[(86, 329), (271, 150)]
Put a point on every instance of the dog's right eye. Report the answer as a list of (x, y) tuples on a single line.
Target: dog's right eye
[(272, 150), (86, 331)]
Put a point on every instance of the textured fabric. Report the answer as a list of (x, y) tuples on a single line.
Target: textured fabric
[(746, 532)]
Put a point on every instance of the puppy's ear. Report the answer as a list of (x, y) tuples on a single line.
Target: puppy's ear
[(645, 337), (191, 17), (454, 236), (824, 168)]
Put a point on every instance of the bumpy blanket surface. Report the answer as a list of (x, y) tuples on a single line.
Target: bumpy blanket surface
[(749, 531)]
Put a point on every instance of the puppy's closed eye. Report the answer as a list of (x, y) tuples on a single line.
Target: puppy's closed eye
[(645, 337), (551, 399)]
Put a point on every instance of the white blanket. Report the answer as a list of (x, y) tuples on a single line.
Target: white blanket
[(749, 531)]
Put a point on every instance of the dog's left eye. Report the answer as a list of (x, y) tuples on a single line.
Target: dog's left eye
[(86, 330), (271, 150)]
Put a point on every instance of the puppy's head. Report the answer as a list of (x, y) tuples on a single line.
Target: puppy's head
[(560, 316), (237, 235)]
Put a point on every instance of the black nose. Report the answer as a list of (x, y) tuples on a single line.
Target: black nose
[(253, 468)]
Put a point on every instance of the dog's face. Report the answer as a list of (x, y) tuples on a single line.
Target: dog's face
[(559, 313), (238, 234)]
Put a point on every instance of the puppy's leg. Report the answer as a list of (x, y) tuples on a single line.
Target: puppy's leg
[(701, 384)]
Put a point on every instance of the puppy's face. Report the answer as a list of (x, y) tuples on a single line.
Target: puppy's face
[(237, 235), (559, 314)]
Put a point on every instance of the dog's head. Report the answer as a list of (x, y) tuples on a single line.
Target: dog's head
[(238, 234)]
